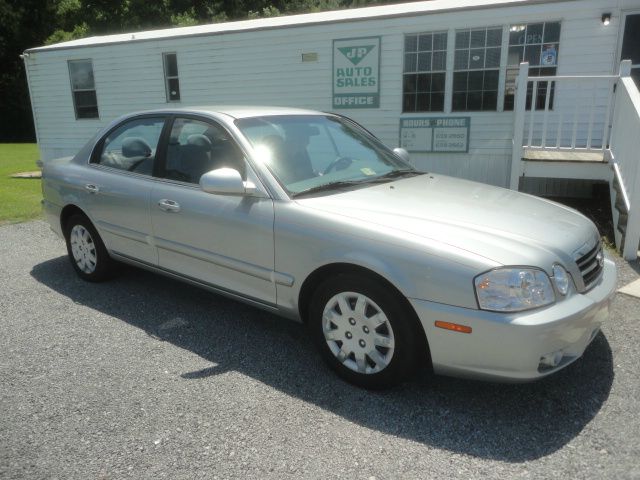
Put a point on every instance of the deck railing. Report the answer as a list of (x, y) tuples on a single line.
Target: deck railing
[(592, 115), (625, 159), (568, 113)]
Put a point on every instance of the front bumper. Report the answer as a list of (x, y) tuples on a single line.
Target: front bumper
[(509, 347)]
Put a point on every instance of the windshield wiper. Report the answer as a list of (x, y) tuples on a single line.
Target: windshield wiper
[(349, 183), (331, 186), (394, 174)]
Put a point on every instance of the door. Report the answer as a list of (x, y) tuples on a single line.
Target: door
[(118, 188), (631, 44), (225, 241)]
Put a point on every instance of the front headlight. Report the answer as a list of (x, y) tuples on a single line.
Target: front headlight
[(513, 289)]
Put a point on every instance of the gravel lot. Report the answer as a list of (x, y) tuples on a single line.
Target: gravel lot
[(144, 377)]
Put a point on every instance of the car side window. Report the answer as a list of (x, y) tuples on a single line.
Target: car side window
[(197, 147), (132, 146)]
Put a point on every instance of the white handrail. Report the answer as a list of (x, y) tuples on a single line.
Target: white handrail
[(549, 78), (625, 150), (611, 123), (590, 129), (623, 190), (584, 105), (520, 99)]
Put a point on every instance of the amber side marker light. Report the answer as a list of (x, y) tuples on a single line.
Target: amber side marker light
[(453, 326)]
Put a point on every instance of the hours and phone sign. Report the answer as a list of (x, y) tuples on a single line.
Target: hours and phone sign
[(435, 134)]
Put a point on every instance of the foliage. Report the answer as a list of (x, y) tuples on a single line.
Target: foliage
[(19, 197), (23, 24)]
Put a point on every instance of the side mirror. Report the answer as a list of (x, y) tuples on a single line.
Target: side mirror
[(224, 181), (402, 153)]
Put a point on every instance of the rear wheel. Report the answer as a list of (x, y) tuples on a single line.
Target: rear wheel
[(363, 331), (87, 253)]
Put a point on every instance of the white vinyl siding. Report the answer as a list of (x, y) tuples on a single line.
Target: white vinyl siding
[(265, 67)]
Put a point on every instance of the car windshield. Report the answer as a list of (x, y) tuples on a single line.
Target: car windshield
[(310, 153)]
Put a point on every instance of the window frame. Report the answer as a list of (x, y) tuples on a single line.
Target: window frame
[(431, 72), (167, 77), (161, 165), (94, 158), (450, 63), (534, 70), (469, 69), (74, 90)]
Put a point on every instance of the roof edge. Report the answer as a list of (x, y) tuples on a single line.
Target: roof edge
[(311, 19)]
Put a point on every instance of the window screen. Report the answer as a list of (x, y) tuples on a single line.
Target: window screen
[(425, 59), (476, 69), (83, 90)]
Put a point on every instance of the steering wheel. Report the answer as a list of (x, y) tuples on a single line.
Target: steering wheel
[(340, 163)]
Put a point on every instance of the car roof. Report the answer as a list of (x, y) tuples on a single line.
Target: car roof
[(234, 111)]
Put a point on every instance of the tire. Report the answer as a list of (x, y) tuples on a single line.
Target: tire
[(373, 347), (87, 253)]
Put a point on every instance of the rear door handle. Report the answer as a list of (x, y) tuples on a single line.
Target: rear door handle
[(91, 188), (169, 205)]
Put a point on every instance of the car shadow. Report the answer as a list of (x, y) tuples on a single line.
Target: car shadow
[(512, 423)]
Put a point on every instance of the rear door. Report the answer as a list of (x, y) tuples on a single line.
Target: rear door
[(225, 241), (118, 187)]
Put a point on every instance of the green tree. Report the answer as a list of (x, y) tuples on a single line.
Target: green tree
[(23, 24)]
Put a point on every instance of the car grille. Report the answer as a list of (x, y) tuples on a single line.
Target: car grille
[(591, 265)]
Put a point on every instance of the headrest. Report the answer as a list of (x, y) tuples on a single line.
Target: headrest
[(272, 141), (199, 140), (301, 130), (135, 147)]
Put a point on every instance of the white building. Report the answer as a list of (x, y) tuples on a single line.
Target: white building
[(437, 77)]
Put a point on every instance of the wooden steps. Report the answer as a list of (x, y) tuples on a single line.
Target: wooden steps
[(553, 163), (529, 155)]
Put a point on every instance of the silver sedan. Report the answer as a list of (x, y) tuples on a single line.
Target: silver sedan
[(308, 215)]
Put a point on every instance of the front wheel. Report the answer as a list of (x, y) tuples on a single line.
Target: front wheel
[(87, 252), (363, 331)]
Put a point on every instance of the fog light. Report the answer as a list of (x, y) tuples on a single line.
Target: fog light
[(551, 360)]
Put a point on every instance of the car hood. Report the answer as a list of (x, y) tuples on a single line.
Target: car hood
[(503, 226)]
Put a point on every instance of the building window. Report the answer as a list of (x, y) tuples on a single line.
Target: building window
[(83, 88), (538, 44), (476, 69), (171, 81), (425, 61)]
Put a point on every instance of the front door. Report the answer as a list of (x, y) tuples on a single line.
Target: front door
[(118, 188), (631, 44), (225, 241)]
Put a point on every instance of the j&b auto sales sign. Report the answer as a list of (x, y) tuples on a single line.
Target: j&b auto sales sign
[(356, 73)]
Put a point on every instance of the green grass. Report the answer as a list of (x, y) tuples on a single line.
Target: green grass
[(19, 197)]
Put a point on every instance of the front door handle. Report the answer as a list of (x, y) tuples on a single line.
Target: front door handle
[(91, 188), (169, 205)]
